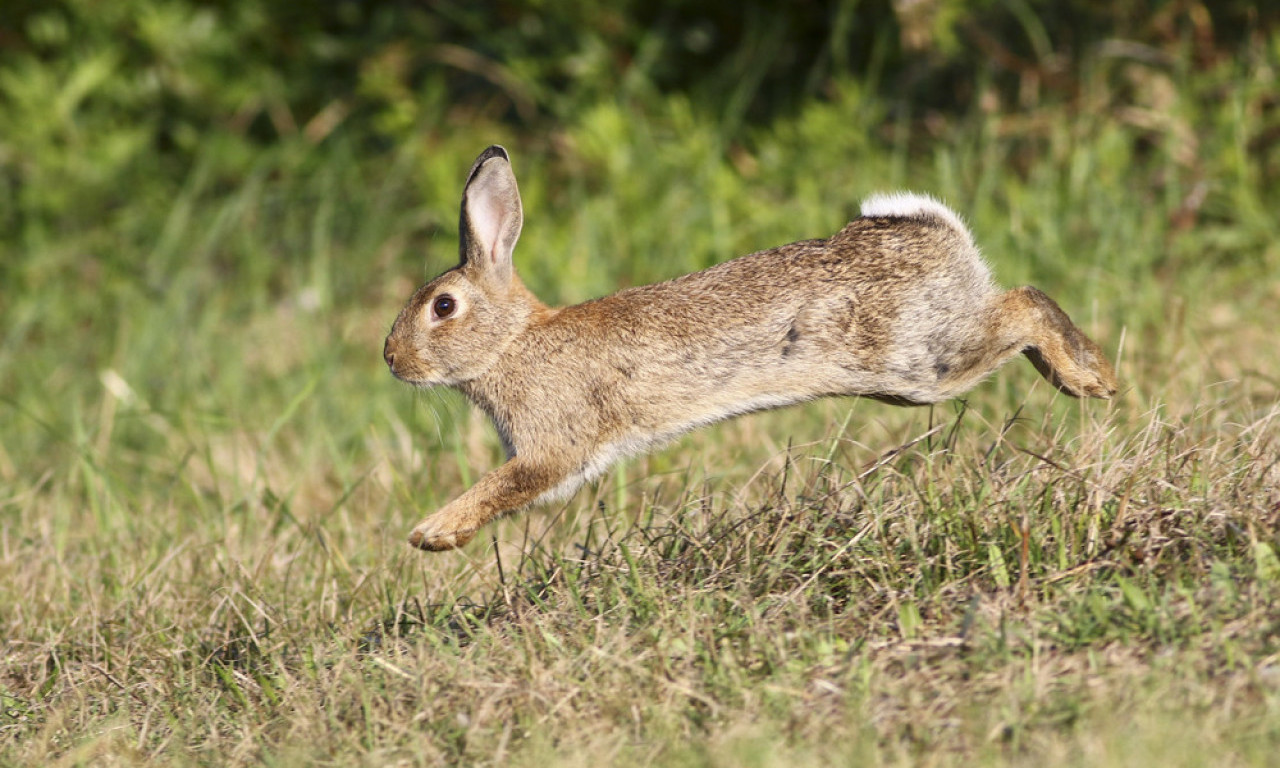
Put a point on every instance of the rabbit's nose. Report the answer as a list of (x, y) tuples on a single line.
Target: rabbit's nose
[(388, 355)]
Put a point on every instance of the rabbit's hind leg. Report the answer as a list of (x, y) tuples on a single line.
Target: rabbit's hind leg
[(1060, 351), (1022, 320)]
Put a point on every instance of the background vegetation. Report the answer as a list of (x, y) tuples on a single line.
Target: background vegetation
[(211, 212)]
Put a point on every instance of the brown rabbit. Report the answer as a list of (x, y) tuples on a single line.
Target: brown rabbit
[(897, 306)]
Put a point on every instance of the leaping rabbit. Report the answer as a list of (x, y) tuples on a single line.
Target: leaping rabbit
[(897, 306)]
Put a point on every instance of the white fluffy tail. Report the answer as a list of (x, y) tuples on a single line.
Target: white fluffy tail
[(912, 205)]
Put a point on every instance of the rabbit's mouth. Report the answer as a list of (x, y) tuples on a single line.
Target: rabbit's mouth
[(417, 375), (418, 378)]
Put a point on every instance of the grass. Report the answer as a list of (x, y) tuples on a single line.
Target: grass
[(206, 474)]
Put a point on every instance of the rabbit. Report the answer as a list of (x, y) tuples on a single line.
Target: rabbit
[(898, 306)]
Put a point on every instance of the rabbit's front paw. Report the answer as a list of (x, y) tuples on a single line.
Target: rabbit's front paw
[(439, 532)]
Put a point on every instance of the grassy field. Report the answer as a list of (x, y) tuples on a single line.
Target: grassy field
[(207, 474)]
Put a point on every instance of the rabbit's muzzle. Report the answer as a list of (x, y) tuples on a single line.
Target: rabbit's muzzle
[(399, 362)]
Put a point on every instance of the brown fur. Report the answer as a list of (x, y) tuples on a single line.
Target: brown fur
[(898, 307)]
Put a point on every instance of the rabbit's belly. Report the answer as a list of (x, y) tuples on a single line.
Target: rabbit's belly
[(643, 438)]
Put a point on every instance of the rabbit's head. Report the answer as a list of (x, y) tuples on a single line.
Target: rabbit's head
[(455, 327)]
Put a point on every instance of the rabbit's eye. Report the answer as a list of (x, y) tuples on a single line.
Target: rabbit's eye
[(443, 306)]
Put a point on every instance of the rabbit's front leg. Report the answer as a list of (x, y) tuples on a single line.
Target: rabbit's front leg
[(508, 488)]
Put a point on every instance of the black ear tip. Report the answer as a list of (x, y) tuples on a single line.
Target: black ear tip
[(493, 151)]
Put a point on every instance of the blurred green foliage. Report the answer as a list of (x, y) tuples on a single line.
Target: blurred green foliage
[(102, 99)]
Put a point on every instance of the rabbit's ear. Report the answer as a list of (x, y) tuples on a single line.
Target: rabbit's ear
[(491, 216)]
